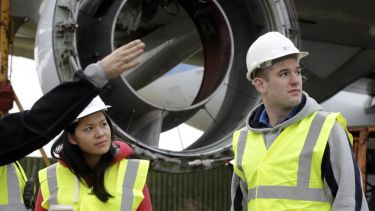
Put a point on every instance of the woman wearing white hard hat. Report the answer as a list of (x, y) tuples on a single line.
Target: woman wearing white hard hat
[(93, 172)]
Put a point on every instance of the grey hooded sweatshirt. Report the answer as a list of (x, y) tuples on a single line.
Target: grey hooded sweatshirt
[(340, 173)]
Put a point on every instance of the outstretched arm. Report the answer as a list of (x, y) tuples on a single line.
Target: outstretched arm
[(24, 132)]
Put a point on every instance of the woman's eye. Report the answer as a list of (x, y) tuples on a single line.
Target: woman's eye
[(87, 129)]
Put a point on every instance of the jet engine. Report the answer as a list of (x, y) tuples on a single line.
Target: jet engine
[(191, 76)]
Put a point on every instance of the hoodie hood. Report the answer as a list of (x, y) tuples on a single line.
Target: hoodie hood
[(308, 106), (123, 151)]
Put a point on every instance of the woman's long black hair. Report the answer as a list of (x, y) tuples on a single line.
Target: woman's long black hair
[(72, 155)]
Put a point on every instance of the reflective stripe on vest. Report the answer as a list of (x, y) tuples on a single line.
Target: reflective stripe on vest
[(52, 184), (301, 191), (241, 150), (15, 201), (128, 171), (129, 181)]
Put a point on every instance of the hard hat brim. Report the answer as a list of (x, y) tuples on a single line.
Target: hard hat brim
[(301, 55)]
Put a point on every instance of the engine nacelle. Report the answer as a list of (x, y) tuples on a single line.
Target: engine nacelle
[(192, 73)]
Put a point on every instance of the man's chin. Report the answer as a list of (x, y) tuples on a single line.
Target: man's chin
[(295, 101)]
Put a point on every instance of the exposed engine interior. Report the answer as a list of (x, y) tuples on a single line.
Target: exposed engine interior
[(192, 74)]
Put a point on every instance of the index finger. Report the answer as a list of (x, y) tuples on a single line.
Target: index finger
[(132, 44)]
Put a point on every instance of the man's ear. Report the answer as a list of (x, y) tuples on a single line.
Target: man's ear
[(71, 139), (259, 84)]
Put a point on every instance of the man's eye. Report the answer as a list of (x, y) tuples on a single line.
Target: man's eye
[(283, 74)]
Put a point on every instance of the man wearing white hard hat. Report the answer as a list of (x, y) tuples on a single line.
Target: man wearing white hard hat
[(93, 172), (291, 155)]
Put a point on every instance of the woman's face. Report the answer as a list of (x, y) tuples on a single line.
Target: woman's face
[(92, 135)]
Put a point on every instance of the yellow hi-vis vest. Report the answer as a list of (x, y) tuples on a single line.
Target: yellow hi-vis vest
[(124, 180), (12, 182), (287, 176)]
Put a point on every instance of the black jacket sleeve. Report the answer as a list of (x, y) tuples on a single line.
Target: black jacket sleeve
[(23, 132)]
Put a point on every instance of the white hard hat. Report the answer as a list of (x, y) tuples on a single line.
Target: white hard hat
[(268, 47), (95, 105)]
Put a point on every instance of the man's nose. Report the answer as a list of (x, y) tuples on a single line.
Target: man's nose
[(295, 77)]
